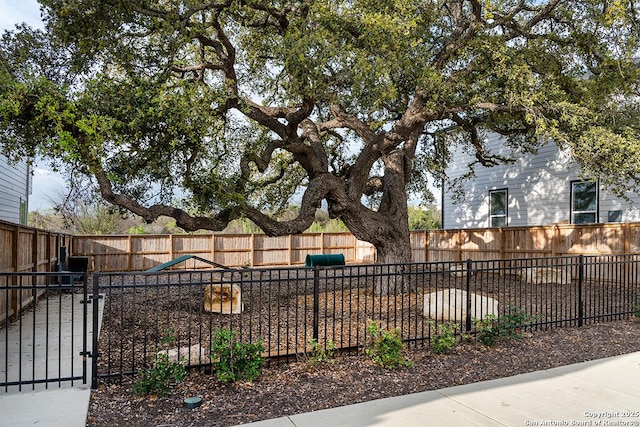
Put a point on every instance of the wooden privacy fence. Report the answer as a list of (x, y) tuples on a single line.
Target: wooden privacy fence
[(140, 252), (26, 250), (525, 242)]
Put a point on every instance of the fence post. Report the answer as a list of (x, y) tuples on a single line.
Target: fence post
[(290, 250), (316, 302), (129, 253), (85, 304), (252, 254), (580, 282), (12, 296), (35, 253), (426, 245), (94, 331), (468, 314)]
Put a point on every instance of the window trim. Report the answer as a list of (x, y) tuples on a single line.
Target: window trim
[(572, 213), (506, 207)]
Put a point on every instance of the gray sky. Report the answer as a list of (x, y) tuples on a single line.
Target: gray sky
[(17, 11)]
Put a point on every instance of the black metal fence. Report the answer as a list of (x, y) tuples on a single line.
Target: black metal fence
[(44, 343), (288, 308)]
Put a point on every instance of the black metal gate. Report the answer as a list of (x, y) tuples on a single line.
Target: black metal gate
[(43, 330)]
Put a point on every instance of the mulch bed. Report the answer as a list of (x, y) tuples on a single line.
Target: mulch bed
[(302, 386), (143, 313)]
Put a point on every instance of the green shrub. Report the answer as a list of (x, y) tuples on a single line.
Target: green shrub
[(159, 379), (514, 322), (445, 339), (385, 347), (487, 329), (168, 337), (636, 311), (321, 354), (137, 229), (234, 360), (510, 325)]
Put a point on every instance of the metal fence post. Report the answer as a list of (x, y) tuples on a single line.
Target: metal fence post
[(468, 314), (580, 282), (316, 302), (94, 347), (85, 304)]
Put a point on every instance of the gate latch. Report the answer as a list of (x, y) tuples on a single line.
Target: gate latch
[(91, 298)]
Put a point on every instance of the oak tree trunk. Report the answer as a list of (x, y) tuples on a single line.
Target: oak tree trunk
[(388, 228), (395, 253)]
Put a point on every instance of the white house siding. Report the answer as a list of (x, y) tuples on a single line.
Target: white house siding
[(14, 188), (539, 189)]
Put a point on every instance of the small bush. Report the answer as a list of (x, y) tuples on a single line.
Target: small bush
[(234, 360), (510, 325), (159, 379), (385, 347), (487, 329), (321, 354), (168, 337), (636, 311), (513, 322), (445, 339)]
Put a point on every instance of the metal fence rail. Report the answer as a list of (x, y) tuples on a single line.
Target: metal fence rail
[(45, 344), (287, 308)]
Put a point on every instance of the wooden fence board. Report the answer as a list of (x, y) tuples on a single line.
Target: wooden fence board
[(139, 252), (7, 232), (29, 249), (632, 238), (118, 253), (26, 249)]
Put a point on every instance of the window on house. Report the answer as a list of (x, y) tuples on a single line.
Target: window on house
[(498, 208), (584, 202)]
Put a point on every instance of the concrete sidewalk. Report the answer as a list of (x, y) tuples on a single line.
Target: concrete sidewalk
[(47, 343), (602, 392), (64, 407)]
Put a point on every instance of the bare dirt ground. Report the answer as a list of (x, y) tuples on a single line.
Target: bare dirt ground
[(302, 386)]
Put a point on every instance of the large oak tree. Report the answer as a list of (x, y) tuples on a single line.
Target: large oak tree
[(237, 107)]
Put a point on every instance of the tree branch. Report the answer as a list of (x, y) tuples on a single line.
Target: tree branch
[(183, 219), (342, 119), (466, 27), (318, 189), (481, 154)]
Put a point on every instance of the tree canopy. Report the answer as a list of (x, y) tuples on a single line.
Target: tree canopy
[(206, 111)]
